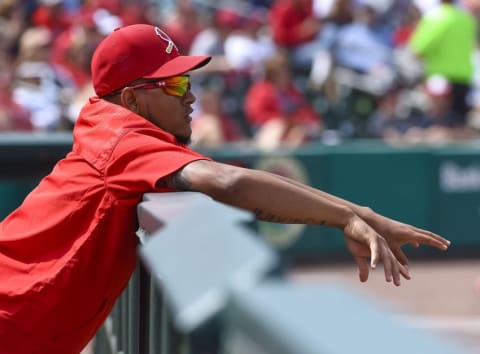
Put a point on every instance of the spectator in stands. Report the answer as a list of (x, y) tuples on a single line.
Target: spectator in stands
[(277, 109), (440, 99), (112, 6), (13, 117), (13, 21), (184, 25), (133, 11), (337, 15), (211, 41), (129, 140), (431, 123), (408, 23), (221, 73), (36, 84), (247, 48), (363, 70), (386, 122), (295, 27), (307, 30), (72, 49), (445, 40), (52, 15), (358, 48), (443, 125), (126, 11), (211, 126)]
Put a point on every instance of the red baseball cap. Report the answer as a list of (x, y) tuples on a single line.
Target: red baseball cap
[(138, 51)]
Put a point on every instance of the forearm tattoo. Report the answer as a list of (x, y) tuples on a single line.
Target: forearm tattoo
[(265, 216)]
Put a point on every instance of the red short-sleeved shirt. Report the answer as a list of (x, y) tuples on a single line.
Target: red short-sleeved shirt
[(68, 251)]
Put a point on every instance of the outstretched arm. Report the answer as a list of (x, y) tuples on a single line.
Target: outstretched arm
[(396, 233), (276, 200)]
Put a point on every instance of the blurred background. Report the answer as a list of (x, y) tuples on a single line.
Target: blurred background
[(377, 101), (285, 72)]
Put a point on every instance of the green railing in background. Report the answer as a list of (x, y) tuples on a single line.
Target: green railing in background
[(437, 188)]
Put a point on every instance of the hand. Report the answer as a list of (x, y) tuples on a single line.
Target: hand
[(363, 242), (398, 234)]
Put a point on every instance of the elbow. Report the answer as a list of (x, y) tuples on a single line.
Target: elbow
[(231, 185)]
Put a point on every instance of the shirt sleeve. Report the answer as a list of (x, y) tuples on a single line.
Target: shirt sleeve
[(139, 161)]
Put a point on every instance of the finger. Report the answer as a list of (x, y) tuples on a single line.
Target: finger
[(426, 240), (431, 239), (387, 265), (404, 271), (396, 272), (362, 268), (374, 254), (402, 260), (401, 257)]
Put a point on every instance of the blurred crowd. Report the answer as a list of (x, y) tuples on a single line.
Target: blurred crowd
[(284, 72)]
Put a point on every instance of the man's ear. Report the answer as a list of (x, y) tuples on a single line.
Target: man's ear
[(128, 97)]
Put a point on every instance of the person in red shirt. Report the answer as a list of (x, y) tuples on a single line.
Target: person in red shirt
[(277, 109), (68, 251), (307, 35), (52, 15), (293, 22)]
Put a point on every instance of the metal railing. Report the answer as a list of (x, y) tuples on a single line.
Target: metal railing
[(197, 271), (205, 286)]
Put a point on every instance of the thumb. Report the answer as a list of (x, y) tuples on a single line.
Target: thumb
[(363, 270)]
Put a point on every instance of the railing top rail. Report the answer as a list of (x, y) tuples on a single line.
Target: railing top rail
[(199, 251)]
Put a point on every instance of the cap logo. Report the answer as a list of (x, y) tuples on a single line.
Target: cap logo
[(167, 39)]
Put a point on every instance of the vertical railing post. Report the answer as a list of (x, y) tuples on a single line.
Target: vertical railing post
[(154, 343), (133, 312), (164, 328)]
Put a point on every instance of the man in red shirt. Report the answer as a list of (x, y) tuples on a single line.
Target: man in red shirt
[(67, 252), (293, 22), (277, 110)]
